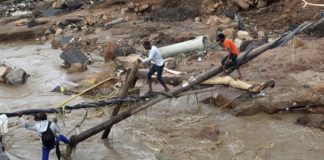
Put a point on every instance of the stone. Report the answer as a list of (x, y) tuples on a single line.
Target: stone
[(236, 147), (241, 4), (58, 31), (124, 10), (16, 76), (131, 5), (90, 20), (261, 34), (207, 6), (59, 4), (243, 35), (55, 43), (197, 20), (209, 132), (76, 67), (43, 38), (74, 55), (113, 50), (213, 20), (21, 22), (261, 4), (225, 20), (3, 70)]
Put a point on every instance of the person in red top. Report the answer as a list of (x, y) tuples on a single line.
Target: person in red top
[(233, 52)]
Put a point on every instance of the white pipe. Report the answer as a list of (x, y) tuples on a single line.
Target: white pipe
[(114, 22), (184, 47)]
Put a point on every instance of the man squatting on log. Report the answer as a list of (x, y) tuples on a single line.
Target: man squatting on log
[(156, 57), (49, 133), (233, 53)]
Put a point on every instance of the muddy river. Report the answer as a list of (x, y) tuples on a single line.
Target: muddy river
[(166, 131)]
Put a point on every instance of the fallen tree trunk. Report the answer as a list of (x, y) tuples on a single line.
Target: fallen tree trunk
[(123, 93), (171, 80), (227, 80), (295, 100)]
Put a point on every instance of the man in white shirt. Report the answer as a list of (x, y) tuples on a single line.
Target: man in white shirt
[(156, 57)]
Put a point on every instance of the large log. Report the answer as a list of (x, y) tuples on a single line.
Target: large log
[(123, 93), (302, 100), (171, 80)]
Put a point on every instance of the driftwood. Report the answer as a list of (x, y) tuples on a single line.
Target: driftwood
[(312, 4), (123, 93), (227, 80), (305, 100), (171, 80), (114, 22)]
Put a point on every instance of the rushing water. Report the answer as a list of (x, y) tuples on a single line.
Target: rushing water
[(166, 131)]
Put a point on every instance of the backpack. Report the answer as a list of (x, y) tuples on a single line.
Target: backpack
[(48, 137)]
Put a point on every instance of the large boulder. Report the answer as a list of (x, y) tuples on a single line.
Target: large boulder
[(16, 76)]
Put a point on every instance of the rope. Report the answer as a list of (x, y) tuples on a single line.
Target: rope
[(80, 123)]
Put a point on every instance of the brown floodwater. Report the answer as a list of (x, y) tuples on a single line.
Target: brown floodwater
[(165, 131)]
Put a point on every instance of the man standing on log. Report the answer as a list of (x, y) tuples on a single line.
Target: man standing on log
[(233, 53), (49, 133), (156, 57)]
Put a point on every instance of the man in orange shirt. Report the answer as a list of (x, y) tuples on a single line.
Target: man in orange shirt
[(233, 53)]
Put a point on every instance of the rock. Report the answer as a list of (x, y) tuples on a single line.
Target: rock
[(197, 20), (210, 132), (225, 20), (208, 6), (128, 61), (90, 20), (261, 4), (113, 50), (131, 5), (243, 35), (22, 13), (59, 4), (58, 31), (312, 120), (16, 76), (43, 38), (21, 22), (236, 147), (73, 4), (261, 34), (213, 20), (229, 33), (241, 4), (3, 70), (140, 8), (124, 10), (55, 43), (74, 55), (76, 67)]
